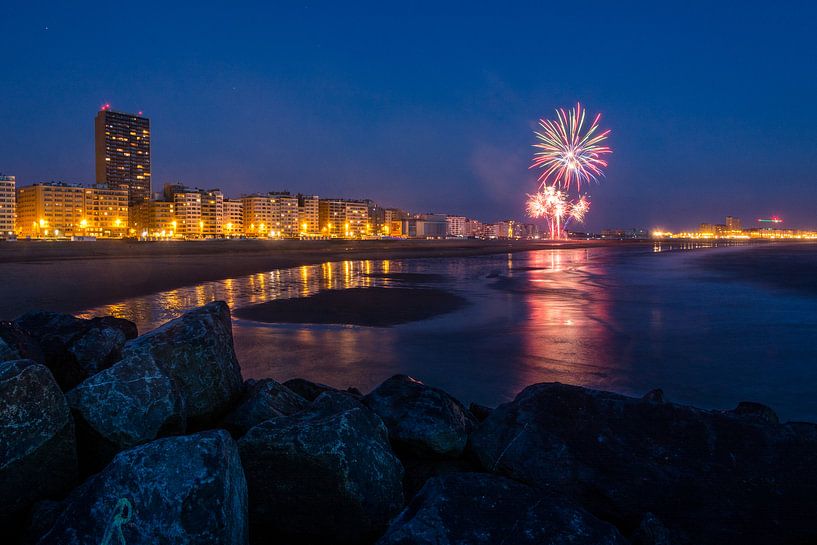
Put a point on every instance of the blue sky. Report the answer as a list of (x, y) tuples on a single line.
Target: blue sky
[(712, 107)]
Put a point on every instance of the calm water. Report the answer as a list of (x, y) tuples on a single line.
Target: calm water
[(621, 319)]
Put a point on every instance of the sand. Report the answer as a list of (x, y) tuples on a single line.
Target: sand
[(71, 276), (372, 307), (790, 267)]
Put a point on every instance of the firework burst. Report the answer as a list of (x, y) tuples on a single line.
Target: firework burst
[(554, 206), (567, 153)]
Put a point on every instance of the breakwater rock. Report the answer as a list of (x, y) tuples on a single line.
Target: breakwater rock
[(107, 437)]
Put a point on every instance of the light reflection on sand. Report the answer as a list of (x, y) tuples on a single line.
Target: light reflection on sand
[(622, 319)]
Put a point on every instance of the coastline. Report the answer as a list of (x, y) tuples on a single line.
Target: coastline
[(164, 430), (75, 275), (759, 265)]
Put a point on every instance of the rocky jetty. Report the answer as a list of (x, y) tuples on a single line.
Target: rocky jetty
[(108, 437)]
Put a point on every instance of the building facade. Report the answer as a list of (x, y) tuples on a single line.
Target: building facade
[(106, 212), (332, 216), (8, 202), (393, 222), (474, 228), (122, 144), (233, 218), (155, 219), (257, 210), (455, 226), (356, 222), (187, 222), (284, 216), (212, 213), (309, 215), (60, 210)]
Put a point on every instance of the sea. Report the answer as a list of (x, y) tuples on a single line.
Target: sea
[(711, 324)]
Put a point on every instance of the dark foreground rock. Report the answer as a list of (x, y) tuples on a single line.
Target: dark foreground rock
[(326, 475), (480, 412), (188, 489), (418, 470), (477, 508), (311, 390), (75, 349), (38, 456), (710, 477), (182, 375), (422, 420), (16, 344), (263, 400)]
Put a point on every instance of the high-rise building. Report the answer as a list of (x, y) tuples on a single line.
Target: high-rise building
[(233, 218), (733, 224), (58, 210), (309, 215), (123, 153), (8, 200)]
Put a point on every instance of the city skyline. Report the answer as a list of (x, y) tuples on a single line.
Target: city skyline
[(297, 97)]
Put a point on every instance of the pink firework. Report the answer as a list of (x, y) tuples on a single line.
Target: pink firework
[(552, 204), (567, 153)]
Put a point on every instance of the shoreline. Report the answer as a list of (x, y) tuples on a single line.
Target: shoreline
[(403, 463), (74, 275)]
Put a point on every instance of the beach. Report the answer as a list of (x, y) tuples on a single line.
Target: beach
[(70, 276)]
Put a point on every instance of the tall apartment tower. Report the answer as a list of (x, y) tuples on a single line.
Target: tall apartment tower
[(8, 199), (123, 153)]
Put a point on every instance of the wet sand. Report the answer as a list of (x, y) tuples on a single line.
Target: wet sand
[(372, 307), (790, 267), (70, 276)]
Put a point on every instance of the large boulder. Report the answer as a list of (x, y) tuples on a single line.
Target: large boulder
[(189, 489), (311, 390), (325, 475), (196, 351), (126, 405), (709, 476), (73, 348), (263, 400), (38, 457), (476, 508), (422, 420), (182, 375)]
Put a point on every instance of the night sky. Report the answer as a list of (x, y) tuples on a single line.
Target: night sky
[(713, 110)]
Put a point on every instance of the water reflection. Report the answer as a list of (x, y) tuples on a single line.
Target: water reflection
[(626, 319), (151, 311), (568, 318)]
